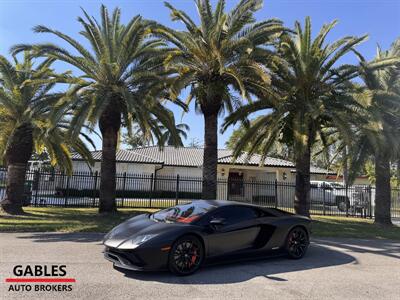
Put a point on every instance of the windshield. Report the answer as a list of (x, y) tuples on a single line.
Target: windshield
[(186, 213)]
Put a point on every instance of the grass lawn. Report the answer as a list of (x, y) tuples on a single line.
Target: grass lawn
[(54, 219), (351, 228), (87, 220)]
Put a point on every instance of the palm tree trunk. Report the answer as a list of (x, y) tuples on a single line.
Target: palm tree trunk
[(17, 156), (210, 156), (302, 189), (345, 166), (383, 192), (109, 123)]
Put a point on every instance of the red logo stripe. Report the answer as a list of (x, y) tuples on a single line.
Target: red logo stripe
[(40, 280)]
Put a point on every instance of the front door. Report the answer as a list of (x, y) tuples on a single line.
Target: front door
[(235, 184)]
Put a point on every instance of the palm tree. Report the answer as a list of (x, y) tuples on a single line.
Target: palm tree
[(26, 105), (308, 95), (218, 58), (279, 149), (139, 138), (379, 138), (169, 139), (117, 87), (195, 143)]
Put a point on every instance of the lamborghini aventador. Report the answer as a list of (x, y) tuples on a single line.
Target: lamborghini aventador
[(184, 237)]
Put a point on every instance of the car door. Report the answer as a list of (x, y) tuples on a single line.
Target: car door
[(239, 230)]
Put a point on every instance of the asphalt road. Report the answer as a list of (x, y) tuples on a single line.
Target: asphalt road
[(333, 268)]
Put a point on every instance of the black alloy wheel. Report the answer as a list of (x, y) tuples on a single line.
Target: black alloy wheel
[(297, 243), (186, 255)]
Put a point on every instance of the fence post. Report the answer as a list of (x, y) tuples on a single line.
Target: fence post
[(177, 189), (151, 187), (347, 197), (252, 193), (123, 189), (251, 185), (225, 183), (95, 188), (67, 191), (370, 201), (323, 198), (37, 187), (228, 182), (276, 193)]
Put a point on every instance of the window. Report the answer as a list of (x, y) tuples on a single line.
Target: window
[(236, 214), (186, 213)]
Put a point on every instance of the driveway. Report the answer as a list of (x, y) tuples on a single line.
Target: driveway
[(333, 268)]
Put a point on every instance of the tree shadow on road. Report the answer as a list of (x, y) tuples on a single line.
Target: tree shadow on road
[(317, 257), (373, 246), (83, 237)]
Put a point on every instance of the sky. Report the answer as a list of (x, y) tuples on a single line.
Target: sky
[(380, 19)]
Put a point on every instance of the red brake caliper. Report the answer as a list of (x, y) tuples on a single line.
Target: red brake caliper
[(194, 256)]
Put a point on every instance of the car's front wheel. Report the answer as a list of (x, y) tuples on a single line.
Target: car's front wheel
[(297, 243), (186, 256)]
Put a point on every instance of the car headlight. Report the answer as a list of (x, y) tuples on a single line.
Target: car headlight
[(136, 242), (108, 235), (112, 232)]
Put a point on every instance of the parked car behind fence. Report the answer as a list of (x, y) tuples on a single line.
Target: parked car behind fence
[(356, 199)]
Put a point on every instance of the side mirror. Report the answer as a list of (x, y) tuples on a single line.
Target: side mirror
[(217, 222)]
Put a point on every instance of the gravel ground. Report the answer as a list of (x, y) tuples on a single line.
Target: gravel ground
[(333, 268)]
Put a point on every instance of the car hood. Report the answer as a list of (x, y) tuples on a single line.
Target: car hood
[(139, 225)]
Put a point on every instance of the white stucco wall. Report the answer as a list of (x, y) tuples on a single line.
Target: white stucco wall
[(167, 179), (132, 183), (128, 168), (181, 171)]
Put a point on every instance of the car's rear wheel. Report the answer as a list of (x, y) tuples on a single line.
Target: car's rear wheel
[(186, 256), (297, 243)]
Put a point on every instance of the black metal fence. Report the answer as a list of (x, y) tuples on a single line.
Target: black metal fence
[(81, 189)]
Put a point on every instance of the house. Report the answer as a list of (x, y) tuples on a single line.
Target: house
[(240, 179), (188, 162), (151, 172), (176, 173)]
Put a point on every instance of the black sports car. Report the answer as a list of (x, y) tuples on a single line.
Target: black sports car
[(183, 237)]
